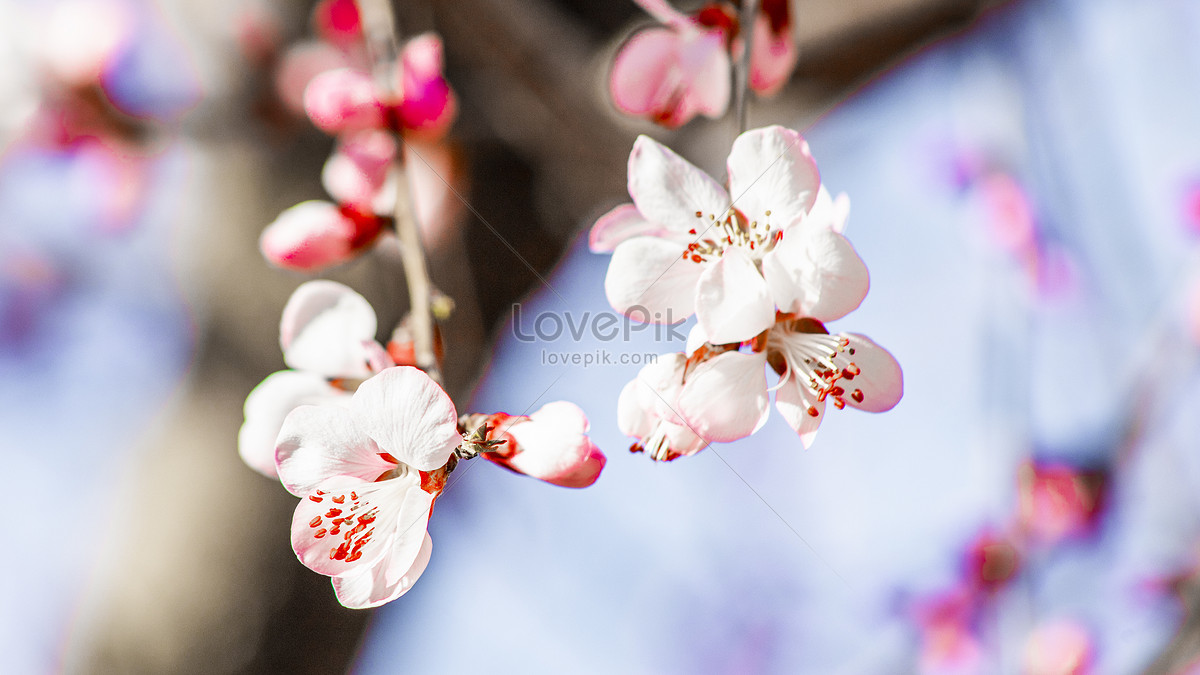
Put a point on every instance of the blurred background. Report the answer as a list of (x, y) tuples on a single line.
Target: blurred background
[(1025, 187)]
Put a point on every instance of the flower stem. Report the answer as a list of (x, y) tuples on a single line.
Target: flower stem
[(741, 73), (380, 29)]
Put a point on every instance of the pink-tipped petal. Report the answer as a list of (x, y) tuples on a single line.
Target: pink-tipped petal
[(733, 302), (816, 273), (320, 442), (551, 445), (309, 236), (409, 416), (269, 404), (772, 57), (356, 172), (371, 587), (343, 99), (346, 526), (725, 398), (881, 381), (771, 169), (621, 223), (704, 60), (323, 328), (649, 281), (646, 80), (427, 105), (338, 21), (796, 404), (669, 190)]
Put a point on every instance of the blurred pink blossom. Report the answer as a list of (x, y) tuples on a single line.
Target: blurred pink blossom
[(314, 235)]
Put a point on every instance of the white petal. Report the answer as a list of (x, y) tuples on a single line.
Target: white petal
[(633, 418), (794, 402), (623, 222), (347, 526), (725, 398), (732, 300), (323, 329), (683, 439), (649, 281), (409, 416), (880, 382), (771, 169), (371, 588), (827, 212), (695, 339), (268, 405), (816, 273), (319, 442), (669, 190)]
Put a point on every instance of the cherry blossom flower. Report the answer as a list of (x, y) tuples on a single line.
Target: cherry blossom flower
[(672, 73), (368, 475), (1057, 501), (646, 411), (684, 246), (668, 74), (551, 445), (316, 234), (328, 338), (1061, 647)]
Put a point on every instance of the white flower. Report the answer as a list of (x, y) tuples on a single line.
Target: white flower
[(360, 473), (685, 246), (328, 338)]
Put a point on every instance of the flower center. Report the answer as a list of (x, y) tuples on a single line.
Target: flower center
[(822, 362), (754, 238)]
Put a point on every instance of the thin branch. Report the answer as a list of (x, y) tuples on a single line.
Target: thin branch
[(741, 72), (379, 26)]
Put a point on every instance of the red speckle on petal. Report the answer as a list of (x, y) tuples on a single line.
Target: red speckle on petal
[(696, 258), (315, 521), (333, 513), (387, 457), (316, 498), (813, 412), (320, 533), (340, 499), (857, 395)]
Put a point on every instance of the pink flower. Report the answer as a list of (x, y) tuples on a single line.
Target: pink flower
[(551, 445), (313, 235), (646, 411), (343, 99), (725, 396), (426, 106), (367, 476), (773, 52), (1062, 647), (1057, 501), (685, 246), (671, 74), (328, 338)]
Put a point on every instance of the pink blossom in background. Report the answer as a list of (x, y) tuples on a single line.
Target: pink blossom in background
[(341, 100), (551, 445), (301, 63), (773, 52), (1056, 501), (338, 22), (314, 235), (368, 475), (670, 74), (83, 38), (425, 105), (1060, 647)]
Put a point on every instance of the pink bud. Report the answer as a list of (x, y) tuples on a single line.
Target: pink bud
[(338, 21), (669, 76), (299, 65), (427, 104), (356, 172), (341, 100), (314, 235), (1058, 501), (550, 445), (773, 53)]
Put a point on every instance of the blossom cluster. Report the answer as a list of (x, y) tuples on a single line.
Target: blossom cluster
[(367, 443), (378, 125), (764, 266)]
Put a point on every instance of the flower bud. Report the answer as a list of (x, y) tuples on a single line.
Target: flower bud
[(341, 100), (313, 235), (549, 445)]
